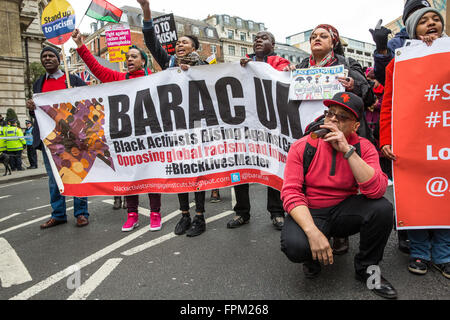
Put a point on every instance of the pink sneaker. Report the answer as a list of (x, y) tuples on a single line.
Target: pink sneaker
[(155, 221), (132, 222)]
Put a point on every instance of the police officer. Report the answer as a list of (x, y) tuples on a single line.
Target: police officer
[(14, 144), (31, 151)]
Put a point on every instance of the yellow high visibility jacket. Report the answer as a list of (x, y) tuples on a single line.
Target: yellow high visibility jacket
[(14, 144), (2, 141)]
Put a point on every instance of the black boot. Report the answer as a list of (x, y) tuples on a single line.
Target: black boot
[(117, 203)]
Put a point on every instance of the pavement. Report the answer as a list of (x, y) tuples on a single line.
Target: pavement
[(27, 173)]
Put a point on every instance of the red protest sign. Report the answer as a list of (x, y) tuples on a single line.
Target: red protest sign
[(421, 125)]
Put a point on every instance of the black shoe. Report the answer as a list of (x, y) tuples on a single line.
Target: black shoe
[(340, 245), (183, 225), (198, 226), (117, 203), (215, 196), (21, 169), (236, 222), (311, 269), (385, 289), (278, 222), (418, 266), (443, 268)]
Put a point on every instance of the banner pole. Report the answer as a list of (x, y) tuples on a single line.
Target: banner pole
[(65, 67)]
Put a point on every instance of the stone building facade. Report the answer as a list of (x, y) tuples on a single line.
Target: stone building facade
[(22, 41), (133, 18)]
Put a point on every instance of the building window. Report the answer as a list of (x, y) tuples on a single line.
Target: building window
[(243, 36), (213, 49), (195, 30), (230, 34), (244, 52), (239, 22), (250, 25), (180, 28), (261, 27), (200, 47), (253, 37), (226, 19), (231, 50), (210, 33)]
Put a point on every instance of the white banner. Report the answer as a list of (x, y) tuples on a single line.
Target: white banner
[(210, 127)]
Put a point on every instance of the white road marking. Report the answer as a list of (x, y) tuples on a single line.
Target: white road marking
[(10, 216), (31, 222), (95, 280), (14, 184), (146, 212), (44, 284), (4, 197), (12, 270), (168, 236), (233, 198)]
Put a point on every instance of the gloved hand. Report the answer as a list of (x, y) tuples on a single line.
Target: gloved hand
[(380, 36)]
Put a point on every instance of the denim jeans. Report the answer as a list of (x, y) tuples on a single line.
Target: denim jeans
[(430, 244), (57, 201)]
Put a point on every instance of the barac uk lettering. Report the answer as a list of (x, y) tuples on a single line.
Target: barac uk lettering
[(270, 107)]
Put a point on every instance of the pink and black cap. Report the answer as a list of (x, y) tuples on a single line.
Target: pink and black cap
[(349, 101)]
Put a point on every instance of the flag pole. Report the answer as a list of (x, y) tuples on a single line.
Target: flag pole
[(83, 15), (65, 67)]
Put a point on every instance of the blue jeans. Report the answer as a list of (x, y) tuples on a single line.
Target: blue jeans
[(430, 244), (57, 201)]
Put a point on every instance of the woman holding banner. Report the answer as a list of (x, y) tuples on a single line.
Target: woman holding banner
[(426, 245), (327, 51), (185, 56), (137, 67)]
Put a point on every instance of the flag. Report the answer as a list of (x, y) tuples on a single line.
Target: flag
[(103, 10), (85, 76)]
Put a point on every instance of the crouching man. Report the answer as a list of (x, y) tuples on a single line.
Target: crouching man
[(321, 195)]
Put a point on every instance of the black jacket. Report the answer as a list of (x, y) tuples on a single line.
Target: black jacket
[(161, 56), (75, 81)]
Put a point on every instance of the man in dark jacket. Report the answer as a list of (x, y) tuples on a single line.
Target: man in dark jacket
[(385, 49), (55, 79), (263, 47)]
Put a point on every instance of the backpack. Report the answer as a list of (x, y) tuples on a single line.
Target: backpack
[(311, 146)]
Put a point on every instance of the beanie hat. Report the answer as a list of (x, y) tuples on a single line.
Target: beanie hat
[(411, 6), (52, 50), (414, 18)]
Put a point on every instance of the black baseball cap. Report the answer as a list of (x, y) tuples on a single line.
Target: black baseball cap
[(349, 101)]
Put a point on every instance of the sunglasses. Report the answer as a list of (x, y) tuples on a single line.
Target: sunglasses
[(339, 117)]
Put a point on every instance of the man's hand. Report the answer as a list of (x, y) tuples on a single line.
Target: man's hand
[(76, 37), (380, 36), (336, 138), (347, 82), (30, 105), (290, 67), (387, 152), (320, 247), (244, 61), (143, 3)]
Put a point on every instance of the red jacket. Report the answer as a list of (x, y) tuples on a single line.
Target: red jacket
[(105, 74), (324, 190), (386, 107), (275, 61)]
